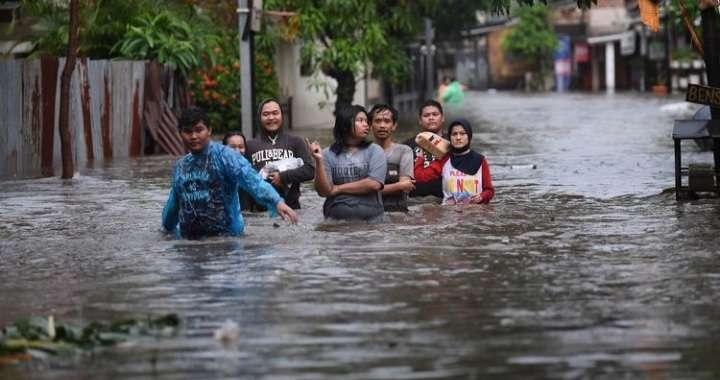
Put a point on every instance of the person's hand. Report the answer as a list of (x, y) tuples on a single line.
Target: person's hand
[(334, 191), (476, 199), (315, 149), (286, 213), (275, 179), (407, 185)]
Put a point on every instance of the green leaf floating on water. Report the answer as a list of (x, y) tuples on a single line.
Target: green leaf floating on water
[(31, 336)]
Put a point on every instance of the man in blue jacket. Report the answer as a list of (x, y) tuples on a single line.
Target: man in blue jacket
[(203, 200)]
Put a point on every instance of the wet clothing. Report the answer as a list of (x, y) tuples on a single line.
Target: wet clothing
[(262, 150), (425, 187), (350, 166), (203, 199), (399, 164), (457, 185), (245, 200)]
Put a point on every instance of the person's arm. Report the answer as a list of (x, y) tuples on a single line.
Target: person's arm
[(405, 183), (377, 169), (430, 173), (246, 178), (323, 185), (239, 170), (170, 215), (303, 173), (488, 190), (363, 186)]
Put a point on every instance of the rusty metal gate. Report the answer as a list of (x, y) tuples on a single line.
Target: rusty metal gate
[(106, 114)]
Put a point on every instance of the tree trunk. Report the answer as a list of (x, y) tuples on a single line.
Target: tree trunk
[(345, 87), (711, 46), (64, 122)]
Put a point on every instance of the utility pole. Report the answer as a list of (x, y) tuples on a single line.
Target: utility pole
[(429, 52), (711, 45), (246, 82)]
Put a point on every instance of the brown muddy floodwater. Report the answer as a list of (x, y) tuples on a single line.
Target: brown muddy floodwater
[(581, 268)]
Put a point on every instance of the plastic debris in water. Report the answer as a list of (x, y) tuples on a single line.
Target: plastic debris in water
[(521, 167), (281, 166), (228, 332)]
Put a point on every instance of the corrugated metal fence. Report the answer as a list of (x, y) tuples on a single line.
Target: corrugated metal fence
[(106, 113)]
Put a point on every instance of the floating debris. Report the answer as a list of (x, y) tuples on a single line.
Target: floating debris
[(39, 337), (523, 167), (227, 333)]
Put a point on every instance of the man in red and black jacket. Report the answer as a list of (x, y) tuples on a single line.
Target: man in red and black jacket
[(430, 119)]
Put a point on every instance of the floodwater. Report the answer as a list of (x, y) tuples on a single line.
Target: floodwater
[(580, 268)]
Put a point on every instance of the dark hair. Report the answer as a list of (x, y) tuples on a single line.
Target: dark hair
[(384, 107), (263, 103), (430, 103), (191, 116), (233, 134), (344, 123)]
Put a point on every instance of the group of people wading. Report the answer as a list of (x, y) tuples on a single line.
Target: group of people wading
[(359, 179)]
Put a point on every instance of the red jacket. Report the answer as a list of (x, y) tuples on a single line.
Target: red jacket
[(434, 171)]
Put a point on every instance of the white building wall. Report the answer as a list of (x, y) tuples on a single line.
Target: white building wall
[(307, 112)]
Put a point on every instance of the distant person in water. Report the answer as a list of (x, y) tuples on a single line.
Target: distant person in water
[(236, 141), (399, 175), (465, 174), (203, 199), (351, 173), (442, 87), (453, 95)]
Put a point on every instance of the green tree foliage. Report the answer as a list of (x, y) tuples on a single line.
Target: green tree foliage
[(103, 23), (164, 36), (198, 38), (342, 38), (533, 38), (215, 84)]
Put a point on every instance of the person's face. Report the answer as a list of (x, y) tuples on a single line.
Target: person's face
[(236, 143), (458, 137), (196, 137), (382, 125), (431, 119), (271, 117), (361, 129)]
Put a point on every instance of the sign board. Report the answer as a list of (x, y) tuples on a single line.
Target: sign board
[(703, 95), (582, 52), (562, 67), (627, 43)]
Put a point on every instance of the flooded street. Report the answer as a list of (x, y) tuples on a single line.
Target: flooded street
[(580, 268)]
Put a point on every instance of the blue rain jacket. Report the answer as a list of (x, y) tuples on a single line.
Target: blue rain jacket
[(203, 200)]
